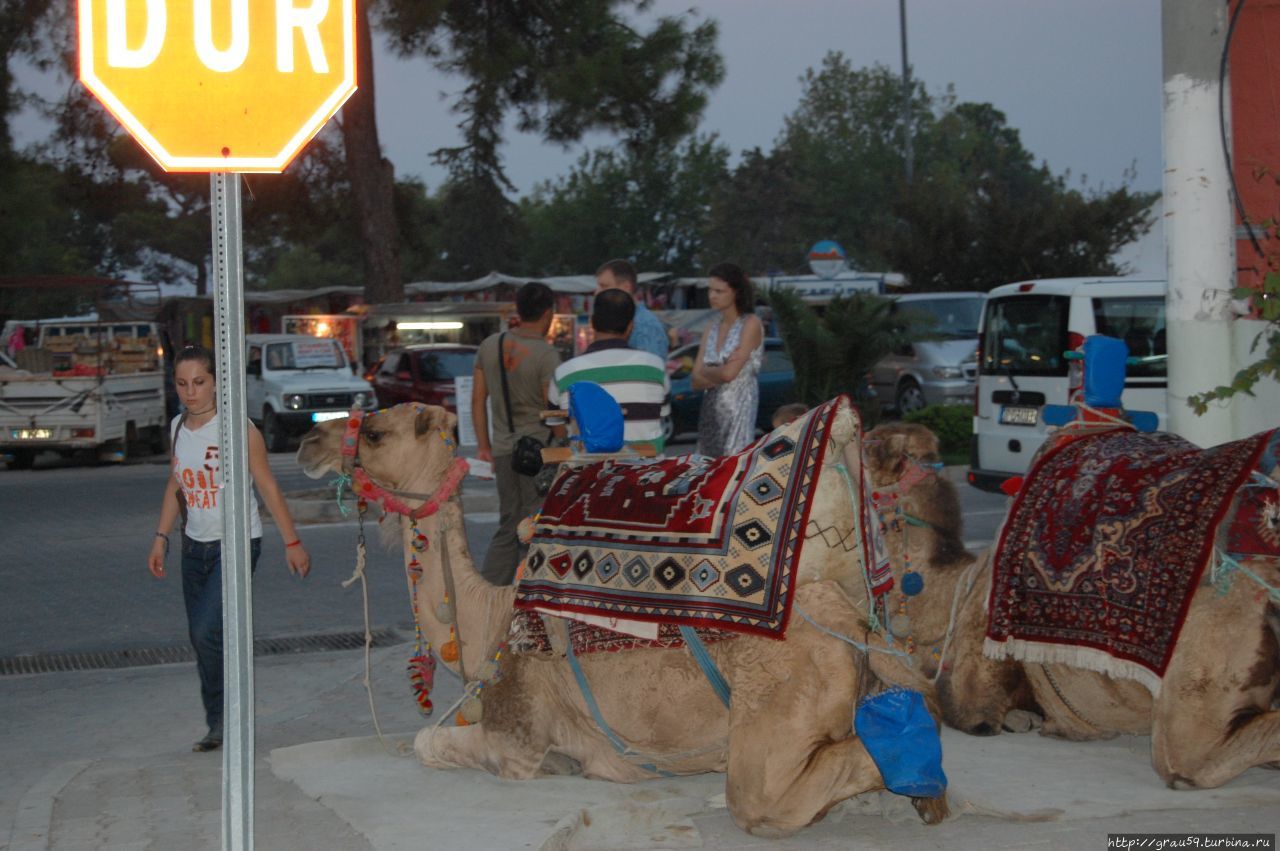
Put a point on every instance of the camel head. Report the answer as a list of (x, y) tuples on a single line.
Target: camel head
[(891, 448), (409, 443), (906, 454)]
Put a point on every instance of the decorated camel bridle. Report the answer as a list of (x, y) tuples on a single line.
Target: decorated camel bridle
[(888, 504), (421, 666), (367, 488)]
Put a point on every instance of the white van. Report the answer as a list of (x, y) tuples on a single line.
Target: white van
[(1026, 327)]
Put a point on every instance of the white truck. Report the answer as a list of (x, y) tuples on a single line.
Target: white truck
[(85, 385), (294, 381)]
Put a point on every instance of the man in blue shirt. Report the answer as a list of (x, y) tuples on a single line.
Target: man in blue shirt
[(648, 334)]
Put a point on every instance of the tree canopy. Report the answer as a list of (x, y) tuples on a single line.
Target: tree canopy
[(981, 210)]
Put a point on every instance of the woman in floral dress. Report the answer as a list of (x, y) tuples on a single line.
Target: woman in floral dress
[(728, 363)]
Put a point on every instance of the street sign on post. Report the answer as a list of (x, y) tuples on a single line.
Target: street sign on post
[(236, 85), (226, 87)]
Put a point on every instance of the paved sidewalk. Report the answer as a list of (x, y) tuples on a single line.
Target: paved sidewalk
[(102, 759)]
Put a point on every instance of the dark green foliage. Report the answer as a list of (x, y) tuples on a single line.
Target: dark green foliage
[(953, 424), (562, 69), (834, 351), (651, 206), (980, 211)]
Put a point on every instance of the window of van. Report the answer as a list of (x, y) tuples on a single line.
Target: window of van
[(1026, 335), (1140, 323), (954, 318)]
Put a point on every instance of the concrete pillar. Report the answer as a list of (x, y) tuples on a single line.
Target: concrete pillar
[(1199, 223)]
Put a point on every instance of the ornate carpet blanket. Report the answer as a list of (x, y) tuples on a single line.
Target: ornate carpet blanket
[(1253, 526), (692, 540), (531, 637), (1104, 546)]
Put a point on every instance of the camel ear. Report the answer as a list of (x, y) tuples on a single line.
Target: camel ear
[(893, 457), (432, 418), (928, 443)]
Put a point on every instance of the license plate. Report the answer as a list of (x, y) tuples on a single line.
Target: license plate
[(1019, 415), (321, 416), (32, 433)]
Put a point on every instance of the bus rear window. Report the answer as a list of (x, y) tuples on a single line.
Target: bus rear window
[(1025, 335), (1140, 323)]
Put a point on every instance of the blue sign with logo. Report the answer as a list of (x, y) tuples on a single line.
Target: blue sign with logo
[(827, 259)]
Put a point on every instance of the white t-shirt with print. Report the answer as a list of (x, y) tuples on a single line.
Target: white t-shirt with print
[(197, 464)]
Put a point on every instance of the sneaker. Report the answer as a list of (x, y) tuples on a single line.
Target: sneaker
[(212, 740)]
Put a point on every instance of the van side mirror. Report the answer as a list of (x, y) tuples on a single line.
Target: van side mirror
[(253, 367)]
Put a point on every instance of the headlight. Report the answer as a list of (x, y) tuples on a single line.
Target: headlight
[(361, 400), (947, 372), (294, 401)]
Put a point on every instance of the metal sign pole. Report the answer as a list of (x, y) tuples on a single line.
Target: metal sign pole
[(237, 598)]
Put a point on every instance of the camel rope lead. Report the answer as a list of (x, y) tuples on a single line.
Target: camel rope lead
[(359, 574)]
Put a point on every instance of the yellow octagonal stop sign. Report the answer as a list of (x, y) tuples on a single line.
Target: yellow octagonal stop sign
[(220, 85)]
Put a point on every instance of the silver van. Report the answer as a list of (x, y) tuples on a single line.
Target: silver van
[(1026, 328), (939, 370)]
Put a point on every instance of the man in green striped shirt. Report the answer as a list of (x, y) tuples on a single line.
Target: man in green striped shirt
[(636, 379)]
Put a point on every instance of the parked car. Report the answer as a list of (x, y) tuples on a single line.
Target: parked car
[(422, 373), (941, 367), (777, 387), (294, 381)]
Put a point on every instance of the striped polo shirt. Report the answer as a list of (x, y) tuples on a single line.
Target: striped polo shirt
[(638, 380)]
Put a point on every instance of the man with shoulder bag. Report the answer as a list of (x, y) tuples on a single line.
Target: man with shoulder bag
[(513, 370)]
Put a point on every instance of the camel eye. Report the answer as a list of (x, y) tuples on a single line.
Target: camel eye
[(373, 436)]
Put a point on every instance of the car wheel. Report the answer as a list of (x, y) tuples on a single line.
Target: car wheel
[(668, 429), (159, 442), (23, 459), (273, 433), (910, 397)]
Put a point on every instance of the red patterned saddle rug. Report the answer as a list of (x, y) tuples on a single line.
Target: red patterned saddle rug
[(531, 637), (689, 541), (1104, 546)]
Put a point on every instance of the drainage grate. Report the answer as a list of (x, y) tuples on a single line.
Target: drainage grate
[(54, 662)]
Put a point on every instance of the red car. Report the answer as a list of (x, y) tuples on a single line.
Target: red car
[(422, 373)]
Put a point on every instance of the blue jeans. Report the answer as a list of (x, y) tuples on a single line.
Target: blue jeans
[(202, 592)]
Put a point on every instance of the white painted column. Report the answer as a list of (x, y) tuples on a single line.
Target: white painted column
[(1199, 224)]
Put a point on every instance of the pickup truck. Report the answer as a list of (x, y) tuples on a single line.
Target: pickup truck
[(294, 381), (85, 385)]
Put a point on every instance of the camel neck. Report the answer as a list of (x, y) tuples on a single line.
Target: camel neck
[(481, 613)]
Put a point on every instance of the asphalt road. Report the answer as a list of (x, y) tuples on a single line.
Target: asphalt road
[(75, 539)]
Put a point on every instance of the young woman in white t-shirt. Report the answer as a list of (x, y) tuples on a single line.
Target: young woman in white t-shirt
[(197, 476)]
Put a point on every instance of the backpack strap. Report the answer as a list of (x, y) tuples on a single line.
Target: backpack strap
[(173, 455)]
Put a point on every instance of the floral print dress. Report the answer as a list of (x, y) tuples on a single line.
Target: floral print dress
[(727, 423)]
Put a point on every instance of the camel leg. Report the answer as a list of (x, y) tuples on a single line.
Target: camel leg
[(475, 747), (1213, 718), (792, 752), (774, 800)]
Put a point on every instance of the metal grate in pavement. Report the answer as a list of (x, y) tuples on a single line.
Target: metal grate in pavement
[(47, 663)]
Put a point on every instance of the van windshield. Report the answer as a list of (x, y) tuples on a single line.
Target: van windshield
[(1140, 323), (954, 318), (1025, 335), (318, 353)]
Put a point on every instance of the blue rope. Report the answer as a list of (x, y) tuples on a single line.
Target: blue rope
[(342, 481), (1226, 565), (865, 648), (618, 744), (706, 663)]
